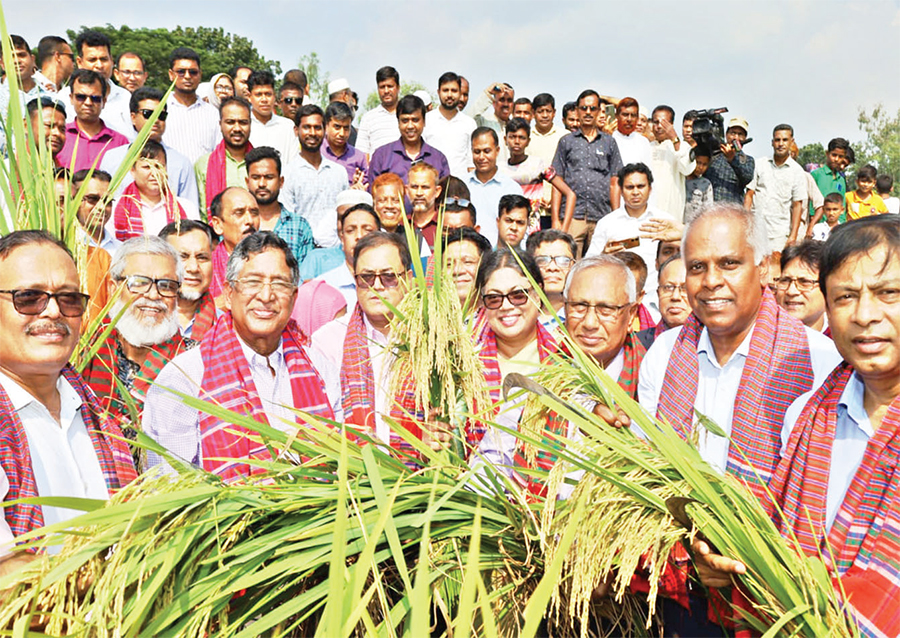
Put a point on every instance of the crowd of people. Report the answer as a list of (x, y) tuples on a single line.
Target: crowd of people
[(254, 252)]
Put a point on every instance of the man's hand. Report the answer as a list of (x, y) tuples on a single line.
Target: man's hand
[(617, 418), (669, 132), (359, 181), (715, 570), (659, 229), (436, 433), (728, 151)]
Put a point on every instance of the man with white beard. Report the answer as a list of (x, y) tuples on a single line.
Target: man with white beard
[(145, 276)]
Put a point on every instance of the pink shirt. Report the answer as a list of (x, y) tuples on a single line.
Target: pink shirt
[(90, 149)]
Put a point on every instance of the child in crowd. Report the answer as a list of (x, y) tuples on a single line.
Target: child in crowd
[(833, 208), (883, 186), (863, 202), (697, 189)]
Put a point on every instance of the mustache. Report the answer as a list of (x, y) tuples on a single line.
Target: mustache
[(151, 305), (48, 327)]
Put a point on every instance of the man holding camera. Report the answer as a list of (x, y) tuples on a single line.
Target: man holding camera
[(731, 169)]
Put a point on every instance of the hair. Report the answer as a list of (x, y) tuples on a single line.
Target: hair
[(141, 94), (855, 237), (783, 127), (599, 261), (839, 143), (834, 198), (386, 179), (48, 46), (454, 187), (255, 244), (338, 111), (234, 99), (523, 100), (215, 206), (355, 209), (464, 233), (424, 167), (486, 130), (61, 172), (19, 238), (543, 99), (508, 202), (88, 77), (18, 42), (387, 73), (260, 78), (659, 247), (183, 53), (182, 227), (518, 124), (884, 183), (263, 153), (144, 245), (152, 150), (82, 175), (670, 260), (410, 104), (586, 94), (289, 86), (568, 107), (375, 240), (637, 167), (507, 258), (867, 172), (46, 102), (701, 150), (755, 232), (91, 38), (306, 111), (808, 251), (626, 103), (689, 116), (666, 109), (130, 54), (297, 77), (237, 68), (635, 263), (449, 76), (548, 236)]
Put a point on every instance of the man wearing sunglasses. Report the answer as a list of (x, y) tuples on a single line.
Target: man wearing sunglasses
[(88, 137), (290, 99), (55, 441), (145, 276), (193, 128), (182, 179)]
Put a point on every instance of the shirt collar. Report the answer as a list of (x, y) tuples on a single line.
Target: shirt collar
[(20, 398), (374, 335), (851, 404), (252, 355), (705, 346)]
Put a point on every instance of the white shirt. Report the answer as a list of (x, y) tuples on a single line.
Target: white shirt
[(486, 196), (329, 339), (277, 133), (669, 168), (176, 426), (182, 179), (633, 148), (192, 130), (451, 137), (377, 128), (342, 280), (116, 113), (775, 188), (62, 454), (852, 433), (718, 384), (312, 193)]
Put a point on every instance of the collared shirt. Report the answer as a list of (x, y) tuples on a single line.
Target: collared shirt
[(320, 260), (377, 128), (277, 133), (176, 426), (108, 241), (775, 188), (235, 175), (116, 112), (392, 158), (485, 196), (633, 148), (180, 171), (729, 179), (451, 137), (717, 385), (340, 278), (295, 230), (312, 193), (587, 168), (830, 181), (352, 159), (82, 151), (192, 130), (544, 145), (62, 454), (330, 340), (852, 433), (670, 168), (154, 216)]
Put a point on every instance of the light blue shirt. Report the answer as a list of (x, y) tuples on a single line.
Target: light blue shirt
[(342, 280), (486, 196), (852, 433)]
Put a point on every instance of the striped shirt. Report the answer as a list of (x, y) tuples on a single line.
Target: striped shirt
[(192, 130), (377, 128), (312, 192)]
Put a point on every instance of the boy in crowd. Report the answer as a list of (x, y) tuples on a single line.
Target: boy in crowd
[(883, 186), (830, 178), (863, 201), (697, 189), (833, 209), (523, 108)]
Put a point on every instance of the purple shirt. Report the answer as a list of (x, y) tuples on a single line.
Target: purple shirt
[(90, 149), (352, 159), (391, 158)]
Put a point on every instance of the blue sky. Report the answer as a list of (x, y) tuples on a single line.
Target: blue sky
[(809, 63)]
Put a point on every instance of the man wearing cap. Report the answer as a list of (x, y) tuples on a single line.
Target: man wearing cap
[(731, 170)]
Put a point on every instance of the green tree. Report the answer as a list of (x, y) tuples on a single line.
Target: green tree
[(811, 154), (219, 52), (317, 79), (881, 148), (372, 100)]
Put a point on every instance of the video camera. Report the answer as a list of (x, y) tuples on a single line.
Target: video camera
[(709, 129)]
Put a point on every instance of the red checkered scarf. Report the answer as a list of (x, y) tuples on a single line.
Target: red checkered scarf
[(128, 219), (15, 456), (660, 328), (645, 319), (216, 174), (220, 260), (864, 540), (204, 317), (228, 382), (778, 369), (100, 372)]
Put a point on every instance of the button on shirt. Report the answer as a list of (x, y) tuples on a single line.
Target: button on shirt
[(277, 133), (587, 168), (717, 385), (312, 193), (392, 158), (451, 137), (852, 433), (486, 198), (62, 454), (192, 130), (377, 128), (775, 188)]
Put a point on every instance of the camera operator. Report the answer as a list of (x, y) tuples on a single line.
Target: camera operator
[(731, 169)]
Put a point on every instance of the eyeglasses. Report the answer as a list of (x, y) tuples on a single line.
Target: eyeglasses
[(69, 54), (560, 260), (457, 201), (91, 200), (130, 74), (586, 107), (292, 100), (803, 284), (667, 290), (139, 285), (146, 113), (389, 279), (81, 97), (251, 287), (187, 72), (517, 297), (34, 302), (606, 312)]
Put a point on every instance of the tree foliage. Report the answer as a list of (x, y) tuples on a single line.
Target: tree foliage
[(811, 154), (219, 51), (316, 78), (881, 148), (372, 100)]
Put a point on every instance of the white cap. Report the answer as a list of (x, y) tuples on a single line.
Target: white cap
[(341, 84), (425, 96)]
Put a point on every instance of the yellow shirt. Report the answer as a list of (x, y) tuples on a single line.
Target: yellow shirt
[(872, 205)]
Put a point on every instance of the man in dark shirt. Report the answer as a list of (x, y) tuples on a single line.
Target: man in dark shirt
[(731, 170)]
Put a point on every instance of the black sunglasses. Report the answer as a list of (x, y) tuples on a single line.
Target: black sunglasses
[(292, 100), (517, 297), (148, 112), (188, 72), (34, 302), (367, 280), (81, 97)]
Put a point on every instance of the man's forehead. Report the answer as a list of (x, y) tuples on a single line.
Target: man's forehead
[(94, 53), (148, 104), (196, 239), (150, 265), (553, 248), (130, 62), (602, 283), (384, 256)]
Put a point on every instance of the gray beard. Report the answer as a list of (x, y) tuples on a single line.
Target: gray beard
[(140, 332), (190, 295)]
